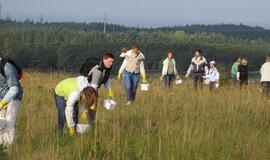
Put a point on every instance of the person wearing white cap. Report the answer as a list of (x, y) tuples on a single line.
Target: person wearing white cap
[(213, 75)]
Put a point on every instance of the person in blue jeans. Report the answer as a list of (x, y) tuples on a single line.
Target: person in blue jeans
[(169, 70), (69, 94), (131, 68)]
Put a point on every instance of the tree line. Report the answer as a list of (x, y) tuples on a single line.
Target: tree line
[(65, 46)]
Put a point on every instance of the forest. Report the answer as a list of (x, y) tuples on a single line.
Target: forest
[(66, 45)]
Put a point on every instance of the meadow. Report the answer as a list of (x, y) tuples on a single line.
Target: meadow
[(227, 124)]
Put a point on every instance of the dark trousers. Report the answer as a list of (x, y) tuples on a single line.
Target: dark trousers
[(61, 106), (266, 88), (243, 81), (212, 86), (198, 79), (169, 78)]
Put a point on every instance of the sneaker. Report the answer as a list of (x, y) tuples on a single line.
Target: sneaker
[(129, 103)]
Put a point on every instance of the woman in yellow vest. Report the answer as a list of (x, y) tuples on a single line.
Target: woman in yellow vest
[(69, 95)]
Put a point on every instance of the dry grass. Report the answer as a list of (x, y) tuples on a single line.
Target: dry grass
[(182, 124)]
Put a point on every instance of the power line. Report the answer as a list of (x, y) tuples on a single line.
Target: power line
[(105, 19)]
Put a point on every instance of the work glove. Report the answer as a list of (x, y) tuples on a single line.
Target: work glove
[(177, 76), (71, 131), (144, 78), (119, 76), (187, 75), (110, 93), (83, 116), (161, 77), (3, 104), (93, 107)]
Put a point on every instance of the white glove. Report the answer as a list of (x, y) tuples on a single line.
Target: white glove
[(238, 76)]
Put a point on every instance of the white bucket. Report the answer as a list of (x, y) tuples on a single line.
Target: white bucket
[(82, 128), (178, 82), (144, 87), (206, 81), (109, 104)]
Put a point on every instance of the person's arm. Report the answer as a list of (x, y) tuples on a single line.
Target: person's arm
[(107, 84), (217, 77), (123, 66), (191, 67), (12, 82), (175, 68), (206, 70), (96, 75), (164, 66), (142, 69), (261, 70), (71, 101)]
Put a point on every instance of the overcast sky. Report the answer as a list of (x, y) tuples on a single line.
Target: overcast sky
[(142, 12)]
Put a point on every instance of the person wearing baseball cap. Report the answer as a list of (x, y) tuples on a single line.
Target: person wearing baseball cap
[(213, 75)]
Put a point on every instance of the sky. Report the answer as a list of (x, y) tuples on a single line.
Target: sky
[(144, 13)]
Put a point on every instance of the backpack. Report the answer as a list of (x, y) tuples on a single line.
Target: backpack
[(88, 65), (14, 64)]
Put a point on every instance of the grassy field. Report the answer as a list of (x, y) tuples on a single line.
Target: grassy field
[(182, 124)]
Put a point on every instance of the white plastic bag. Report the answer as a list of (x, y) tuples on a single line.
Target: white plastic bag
[(144, 87), (178, 82), (109, 104), (82, 128)]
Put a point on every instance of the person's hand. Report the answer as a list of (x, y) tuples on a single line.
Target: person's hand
[(71, 131), (161, 77), (187, 75), (144, 80), (3, 104), (119, 76), (110, 93), (83, 116), (93, 107)]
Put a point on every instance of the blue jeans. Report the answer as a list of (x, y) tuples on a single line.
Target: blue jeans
[(61, 106), (234, 80), (131, 81), (168, 80)]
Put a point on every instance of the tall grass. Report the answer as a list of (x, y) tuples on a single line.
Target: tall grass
[(180, 124)]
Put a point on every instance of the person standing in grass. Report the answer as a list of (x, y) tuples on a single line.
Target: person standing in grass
[(199, 68), (243, 72), (169, 71), (234, 72), (131, 68), (213, 75), (11, 93), (68, 94), (265, 77)]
